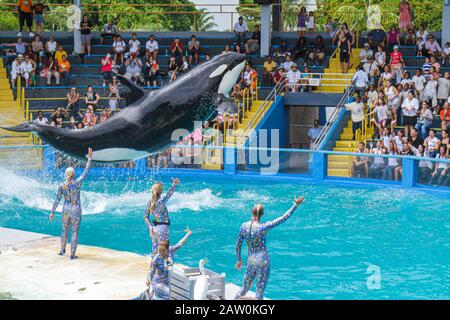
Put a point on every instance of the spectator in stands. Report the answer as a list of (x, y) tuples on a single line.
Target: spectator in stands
[(311, 24), (269, 71), (357, 109), (444, 115), (30, 68), (91, 99), (50, 46), (51, 70), (287, 64), (300, 50), (345, 49), (306, 80), (445, 140), (424, 120), (134, 68), (207, 56), (18, 70), (443, 91), (365, 53), (60, 53), (114, 86), (64, 70), (317, 55), (252, 45), (40, 120), (152, 71), (113, 103), (371, 69), (106, 114), (59, 116), (385, 76), (293, 78), (419, 83), (410, 38), (152, 47), (194, 50), (397, 63), (106, 68), (331, 28), (380, 109), (410, 107), (282, 51), (392, 163), (86, 30), (237, 93), (237, 48), (432, 143), (25, 16), (432, 47), (429, 94), (246, 77), (415, 140), (38, 49), (19, 45), (227, 49), (313, 133), (360, 81), (439, 176), (279, 75), (109, 31), (29, 52), (435, 64), (240, 29), (446, 54), (134, 44), (405, 16), (183, 65), (393, 38), (371, 95), (360, 164), (302, 20), (177, 49), (38, 10), (377, 167), (73, 97), (119, 48), (173, 68), (89, 119), (376, 37)]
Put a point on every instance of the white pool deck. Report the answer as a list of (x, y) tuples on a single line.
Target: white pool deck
[(31, 269)]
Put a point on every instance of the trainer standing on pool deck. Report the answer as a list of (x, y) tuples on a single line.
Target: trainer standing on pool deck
[(159, 226), (71, 213), (258, 262)]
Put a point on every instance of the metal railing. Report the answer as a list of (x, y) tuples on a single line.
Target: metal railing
[(317, 144)]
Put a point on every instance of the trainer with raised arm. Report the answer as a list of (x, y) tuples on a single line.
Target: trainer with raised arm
[(71, 212), (258, 262)]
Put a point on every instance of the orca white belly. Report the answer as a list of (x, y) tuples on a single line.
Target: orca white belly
[(118, 154)]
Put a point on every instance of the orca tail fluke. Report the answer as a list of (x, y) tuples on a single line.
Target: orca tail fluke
[(24, 127)]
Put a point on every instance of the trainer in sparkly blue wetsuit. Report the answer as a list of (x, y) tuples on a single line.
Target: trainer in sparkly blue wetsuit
[(258, 262), (71, 212), (159, 226)]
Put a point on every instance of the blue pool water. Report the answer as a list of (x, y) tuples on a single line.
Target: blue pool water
[(322, 252)]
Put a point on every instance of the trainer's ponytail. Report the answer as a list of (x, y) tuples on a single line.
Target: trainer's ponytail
[(156, 193), (258, 210)]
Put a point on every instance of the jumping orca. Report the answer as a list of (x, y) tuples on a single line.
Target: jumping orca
[(146, 125)]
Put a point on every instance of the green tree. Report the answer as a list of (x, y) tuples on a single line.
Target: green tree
[(204, 21)]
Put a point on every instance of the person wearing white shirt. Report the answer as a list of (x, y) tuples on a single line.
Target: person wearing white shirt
[(410, 107), (371, 69), (288, 63), (365, 53), (419, 82), (357, 110), (293, 78), (240, 28), (134, 44), (360, 81), (18, 69), (40, 120), (152, 47)]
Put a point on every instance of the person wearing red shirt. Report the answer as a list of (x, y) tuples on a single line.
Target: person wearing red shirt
[(397, 63), (445, 116), (106, 69)]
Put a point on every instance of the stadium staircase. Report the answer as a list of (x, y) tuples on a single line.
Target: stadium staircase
[(12, 111), (335, 81)]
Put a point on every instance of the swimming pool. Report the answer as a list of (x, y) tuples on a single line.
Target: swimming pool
[(322, 252)]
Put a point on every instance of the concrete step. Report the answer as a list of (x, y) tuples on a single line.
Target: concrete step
[(339, 173), (346, 143), (338, 165)]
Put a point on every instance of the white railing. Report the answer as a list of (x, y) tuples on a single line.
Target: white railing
[(332, 119)]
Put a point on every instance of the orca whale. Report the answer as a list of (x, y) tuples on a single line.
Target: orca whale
[(146, 125)]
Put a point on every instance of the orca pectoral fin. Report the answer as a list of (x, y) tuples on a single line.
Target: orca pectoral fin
[(24, 127), (136, 91)]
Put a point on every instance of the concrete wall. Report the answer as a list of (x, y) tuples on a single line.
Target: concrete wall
[(445, 22), (300, 121)]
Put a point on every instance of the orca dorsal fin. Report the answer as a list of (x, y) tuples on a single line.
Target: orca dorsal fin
[(136, 91)]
